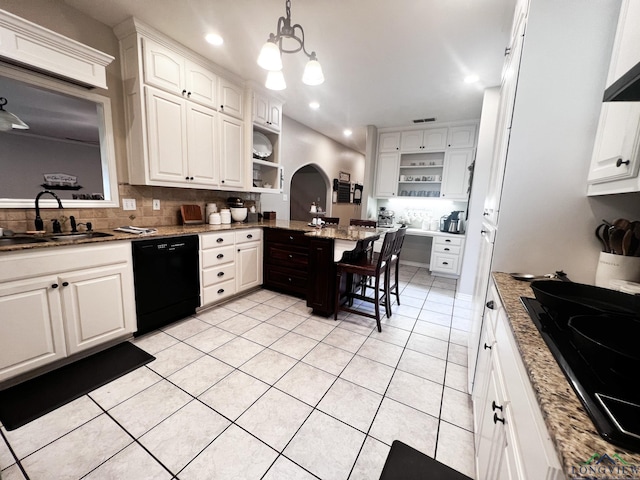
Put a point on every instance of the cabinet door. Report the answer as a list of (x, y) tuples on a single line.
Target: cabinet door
[(617, 141), (231, 98), (166, 136), (202, 145), (411, 141), (231, 152), (387, 174), (99, 305), (260, 109), (31, 325), (201, 85), (434, 139), (275, 115), (463, 136), (456, 174), (625, 49), (480, 390), (248, 266), (163, 68), (389, 142)]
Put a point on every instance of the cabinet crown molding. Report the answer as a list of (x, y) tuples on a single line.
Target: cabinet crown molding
[(427, 126), (34, 47)]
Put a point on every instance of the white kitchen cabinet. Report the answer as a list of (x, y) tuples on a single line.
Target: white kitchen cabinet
[(231, 97), (615, 163), (56, 304), (181, 140), (456, 174), (429, 140), (267, 112), (248, 259), (389, 142), (446, 255), (387, 174), (510, 434), (462, 136), (232, 157), (166, 69)]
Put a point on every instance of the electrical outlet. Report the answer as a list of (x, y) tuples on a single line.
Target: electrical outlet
[(128, 204), (156, 204)]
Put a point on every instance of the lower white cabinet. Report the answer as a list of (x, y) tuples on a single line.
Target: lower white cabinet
[(57, 303), (446, 255), (230, 262), (511, 438)]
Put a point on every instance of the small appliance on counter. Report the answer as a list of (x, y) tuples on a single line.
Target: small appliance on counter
[(237, 208), (452, 223), (386, 218)]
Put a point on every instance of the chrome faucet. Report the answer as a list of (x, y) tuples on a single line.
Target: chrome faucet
[(38, 222)]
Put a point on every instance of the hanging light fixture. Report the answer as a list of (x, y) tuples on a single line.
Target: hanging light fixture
[(8, 120), (270, 57)]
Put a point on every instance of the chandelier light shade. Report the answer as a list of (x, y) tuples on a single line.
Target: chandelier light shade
[(8, 120), (270, 57)]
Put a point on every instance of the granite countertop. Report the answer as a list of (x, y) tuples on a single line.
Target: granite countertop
[(570, 428), (338, 233)]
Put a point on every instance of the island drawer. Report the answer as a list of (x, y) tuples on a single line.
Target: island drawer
[(286, 255), (285, 279), (286, 237)]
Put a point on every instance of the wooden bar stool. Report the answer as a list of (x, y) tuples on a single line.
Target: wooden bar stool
[(394, 263), (366, 268)]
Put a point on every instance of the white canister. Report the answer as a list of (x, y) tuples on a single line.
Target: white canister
[(616, 267), (211, 208), (225, 215), (434, 226), (215, 219)]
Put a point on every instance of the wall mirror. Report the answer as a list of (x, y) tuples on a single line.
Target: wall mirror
[(67, 149)]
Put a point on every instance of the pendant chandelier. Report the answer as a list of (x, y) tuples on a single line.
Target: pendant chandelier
[(8, 120), (271, 54)]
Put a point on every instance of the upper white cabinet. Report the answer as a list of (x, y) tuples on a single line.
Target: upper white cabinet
[(267, 112), (429, 140), (615, 163), (431, 162), (184, 118)]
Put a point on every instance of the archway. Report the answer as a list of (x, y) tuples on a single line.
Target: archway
[(308, 184)]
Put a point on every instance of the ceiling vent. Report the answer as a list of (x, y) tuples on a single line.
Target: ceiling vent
[(425, 120)]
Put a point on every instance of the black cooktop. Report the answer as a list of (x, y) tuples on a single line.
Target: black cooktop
[(610, 398)]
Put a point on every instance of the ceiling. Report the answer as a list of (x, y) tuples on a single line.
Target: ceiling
[(386, 62)]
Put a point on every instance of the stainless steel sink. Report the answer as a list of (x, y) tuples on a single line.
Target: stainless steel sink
[(20, 240), (79, 235)]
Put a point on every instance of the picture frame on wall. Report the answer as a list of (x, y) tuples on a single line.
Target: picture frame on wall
[(344, 177)]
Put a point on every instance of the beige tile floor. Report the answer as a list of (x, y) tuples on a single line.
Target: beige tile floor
[(259, 388)]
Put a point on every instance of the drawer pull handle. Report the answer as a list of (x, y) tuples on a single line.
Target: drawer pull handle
[(483, 232), (447, 249), (497, 419), (249, 236), (220, 240), (221, 274), (448, 240), (290, 280), (495, 407), (220, 255), (65, 284), (55, 285), (221, 291), (290, 256), (487, 347), (445, 263), (491, 305), (619, 163)]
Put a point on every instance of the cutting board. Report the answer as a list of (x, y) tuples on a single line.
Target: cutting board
[(191, 214)]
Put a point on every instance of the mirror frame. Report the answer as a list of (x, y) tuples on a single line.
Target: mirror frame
[(107, 146)]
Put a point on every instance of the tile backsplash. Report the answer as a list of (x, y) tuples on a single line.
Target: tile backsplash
[(22, 219)]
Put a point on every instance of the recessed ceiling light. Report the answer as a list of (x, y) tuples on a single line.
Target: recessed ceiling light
[(347, 132), (314, 105), (471, 78), (214, 39)]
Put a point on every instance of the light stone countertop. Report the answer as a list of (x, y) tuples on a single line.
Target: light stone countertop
[(572, 431)]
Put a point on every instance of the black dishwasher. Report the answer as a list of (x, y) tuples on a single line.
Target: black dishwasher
[(166, 279)]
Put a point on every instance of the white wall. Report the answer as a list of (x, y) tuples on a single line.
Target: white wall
[(303, 146), (546, 221)]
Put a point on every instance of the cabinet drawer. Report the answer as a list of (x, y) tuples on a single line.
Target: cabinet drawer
[(218, 256), (215, 275), (444, 263), (287, 255), (448, 240), (252, 235), (212, 240), (447, 249), (219, 291), (285, 279), (287, 237)]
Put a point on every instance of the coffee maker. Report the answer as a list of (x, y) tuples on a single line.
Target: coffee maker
[(385, 218), (452, 223)]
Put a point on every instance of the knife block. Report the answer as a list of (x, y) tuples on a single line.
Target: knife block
[(616, 267)]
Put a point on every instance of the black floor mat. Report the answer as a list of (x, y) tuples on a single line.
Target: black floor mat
[(407, 463), (29, 400)]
